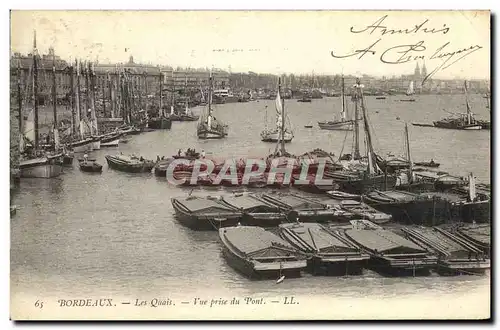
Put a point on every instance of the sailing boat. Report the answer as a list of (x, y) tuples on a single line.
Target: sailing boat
[(209, 127), (409, 92), (161, 121), (372, 177), (35, 162), (465, 121), (274, 135), (343, 123), (186, 115)]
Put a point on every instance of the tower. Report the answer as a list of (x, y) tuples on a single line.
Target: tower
[(417, 73), (424, 71)]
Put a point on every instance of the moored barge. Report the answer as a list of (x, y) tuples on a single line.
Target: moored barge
[(328, 252), (456, 255), (390, 253), (260, 254), (204, 213), (256, 212)]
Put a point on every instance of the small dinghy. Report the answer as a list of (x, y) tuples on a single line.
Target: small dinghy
[(427, 164), (90, 166), (308, 126)]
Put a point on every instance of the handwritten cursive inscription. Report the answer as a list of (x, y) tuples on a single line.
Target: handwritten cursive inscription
[(377, 26), (405, 53)]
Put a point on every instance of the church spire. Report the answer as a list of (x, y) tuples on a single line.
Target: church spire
[(424, 70)]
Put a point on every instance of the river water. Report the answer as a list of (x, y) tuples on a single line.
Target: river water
[(114, 235)]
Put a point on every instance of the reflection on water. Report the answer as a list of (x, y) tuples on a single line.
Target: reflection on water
[(115, 233)]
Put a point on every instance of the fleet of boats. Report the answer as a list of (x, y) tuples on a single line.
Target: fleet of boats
[(388, 214)]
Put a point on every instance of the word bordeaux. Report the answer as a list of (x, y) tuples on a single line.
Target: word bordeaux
[(242, 172), (106, 302)]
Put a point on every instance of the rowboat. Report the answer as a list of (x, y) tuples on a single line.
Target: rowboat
[(259, 254), (90, 166)]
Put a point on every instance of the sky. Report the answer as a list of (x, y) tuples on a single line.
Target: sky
[(299, 42)]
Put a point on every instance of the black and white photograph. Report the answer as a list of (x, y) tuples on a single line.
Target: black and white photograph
[(250, 165)]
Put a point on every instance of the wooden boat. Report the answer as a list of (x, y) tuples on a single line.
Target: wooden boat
[(259, 254), (131, 164), (308, 126), (380, 98), (329, 253), (364, 211), (160, 123), (274, 136), (48, 166), (280, 132), (456, 255), (34, 161), (90, 166), (410, 208), (111, 140), (256, 212), (305, 99), (342, 124), (390, 253), (340, 195), (298, 208), (427, 164), (208, 126), (463, 122), (477, 234), (371, 177), (204, 213)]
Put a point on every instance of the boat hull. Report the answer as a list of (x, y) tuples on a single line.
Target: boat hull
[(453, 125), (204, 222), (427, 212), (160, 123), (211, 134), (275, 136), (145, 167), (336, 126), (82, 146), (318, 265), (112, 143), (41, 169)]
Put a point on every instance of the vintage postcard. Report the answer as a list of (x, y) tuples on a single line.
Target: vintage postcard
[(250, 165)]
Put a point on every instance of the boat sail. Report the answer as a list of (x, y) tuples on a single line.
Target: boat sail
[(466, 121), (274, 135), (343, 123), (35, 162), (409, 92), (209, 127)]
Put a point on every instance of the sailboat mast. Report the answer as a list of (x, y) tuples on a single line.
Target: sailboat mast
[(343, 100), (19, 99), (35, 89), (282, 128), (467, 104), (356, 125), (72, 98), (54, 92), (210, 94), (104, 97), (408, 155), (160, 112), (77, 101)]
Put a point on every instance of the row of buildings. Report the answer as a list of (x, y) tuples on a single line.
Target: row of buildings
[(147, 78)]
